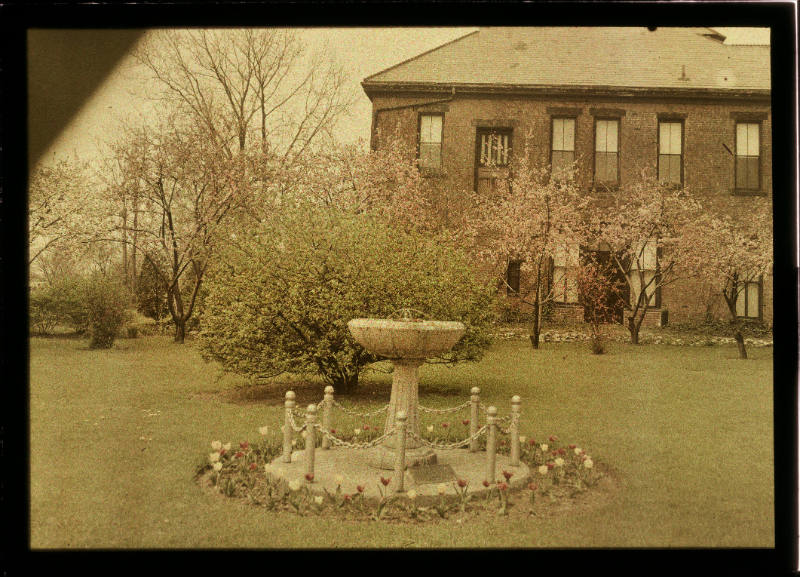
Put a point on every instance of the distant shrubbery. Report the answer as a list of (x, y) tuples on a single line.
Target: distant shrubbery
[(95, 305)]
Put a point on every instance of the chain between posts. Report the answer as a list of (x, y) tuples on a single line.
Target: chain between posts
[(342, 443), (357, 414), (455, 445), (443, 411), (294, 424)]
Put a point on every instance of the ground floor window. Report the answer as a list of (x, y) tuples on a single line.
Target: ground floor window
[(565, 266), (748, 298), (512, 277), (643, 271)]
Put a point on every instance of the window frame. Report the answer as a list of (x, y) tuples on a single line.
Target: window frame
[(428, 169), (655, 303), (681, 122), (736, 188), (760, 282), (564, 289), (574, 119), (484, 129), (606, 184)]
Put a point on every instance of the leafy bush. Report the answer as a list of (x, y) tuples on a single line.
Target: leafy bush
[(106, 300), (61, 303), (282, 293)]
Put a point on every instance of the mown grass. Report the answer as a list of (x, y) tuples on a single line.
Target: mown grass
[(116, 437)]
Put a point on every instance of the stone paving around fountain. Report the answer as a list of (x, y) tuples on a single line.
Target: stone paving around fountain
[(354, 466)]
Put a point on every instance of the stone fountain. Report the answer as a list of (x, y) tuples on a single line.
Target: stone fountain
[(406, 342)]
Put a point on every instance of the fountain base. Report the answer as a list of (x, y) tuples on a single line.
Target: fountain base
[(381, 457)]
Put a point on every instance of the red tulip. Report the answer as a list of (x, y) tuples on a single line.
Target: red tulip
[(366, 427), (253, 466), (386, 481), (465, 422), (244, 445), (462, 483), (222, 452), (333, 431), (562, 451), (532, 486), (531, 442), (502, 486), (550, 466), (239, 454), (347, 497), (553, 438), (508, 475), (572, 446), (360, 488), (309, 477), (445, 425), (485, 483)]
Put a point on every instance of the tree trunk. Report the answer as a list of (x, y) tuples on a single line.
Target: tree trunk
[(740, 344), (180, 330), (633, 327), (536, 327), (345, 384)]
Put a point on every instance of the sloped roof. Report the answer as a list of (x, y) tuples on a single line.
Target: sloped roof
[(673, 58)]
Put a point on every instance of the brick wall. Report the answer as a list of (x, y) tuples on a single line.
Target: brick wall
[(709, 141)]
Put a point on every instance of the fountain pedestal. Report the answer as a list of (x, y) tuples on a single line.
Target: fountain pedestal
[(406, 343), (404, 397)]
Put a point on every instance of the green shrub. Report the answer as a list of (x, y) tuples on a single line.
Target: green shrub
[(106, 299), (60, 304), (280, 298)]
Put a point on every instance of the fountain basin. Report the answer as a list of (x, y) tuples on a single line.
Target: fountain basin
[(406, 339)]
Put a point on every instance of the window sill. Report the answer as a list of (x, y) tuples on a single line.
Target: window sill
[(600, 187)]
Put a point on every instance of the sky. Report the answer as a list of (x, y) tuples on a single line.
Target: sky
[(363, 51)]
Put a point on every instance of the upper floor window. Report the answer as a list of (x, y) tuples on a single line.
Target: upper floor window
[(748, 298), (748, 156), (494, 147), (430, 141), (563, 146), (670, 152), (606, 152)]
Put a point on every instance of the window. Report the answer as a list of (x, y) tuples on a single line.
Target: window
[(748, 175), (430, 141), (606, 152), (563, 146), (494, 146), (565, 263), (748, 298), (670, 152), (642, 273), (512, 277)]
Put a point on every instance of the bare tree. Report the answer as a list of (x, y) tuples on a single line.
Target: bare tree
[(249, 84)]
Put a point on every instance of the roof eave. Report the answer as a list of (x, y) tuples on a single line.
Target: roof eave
[(373, 88)]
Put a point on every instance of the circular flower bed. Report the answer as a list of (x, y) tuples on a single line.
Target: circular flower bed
[(562, 476)]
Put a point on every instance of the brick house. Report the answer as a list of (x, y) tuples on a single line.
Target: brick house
[(681, 101)]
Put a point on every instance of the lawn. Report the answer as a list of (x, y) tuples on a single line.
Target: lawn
[(116, 436)]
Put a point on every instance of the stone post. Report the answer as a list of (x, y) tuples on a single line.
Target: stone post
[(491, 443), (515, 402), (400, 451), (475, 399), (287, 427), (326, 416), (311, 438)]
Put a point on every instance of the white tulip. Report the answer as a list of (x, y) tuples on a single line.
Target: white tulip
[(216, 445), (543, 470), (213, 457)]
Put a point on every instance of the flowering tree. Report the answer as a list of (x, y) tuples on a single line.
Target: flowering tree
[(185, 187), (595, 284), (383, 183), (645, 225), (63, 211), (733, 253), (526, 219)]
